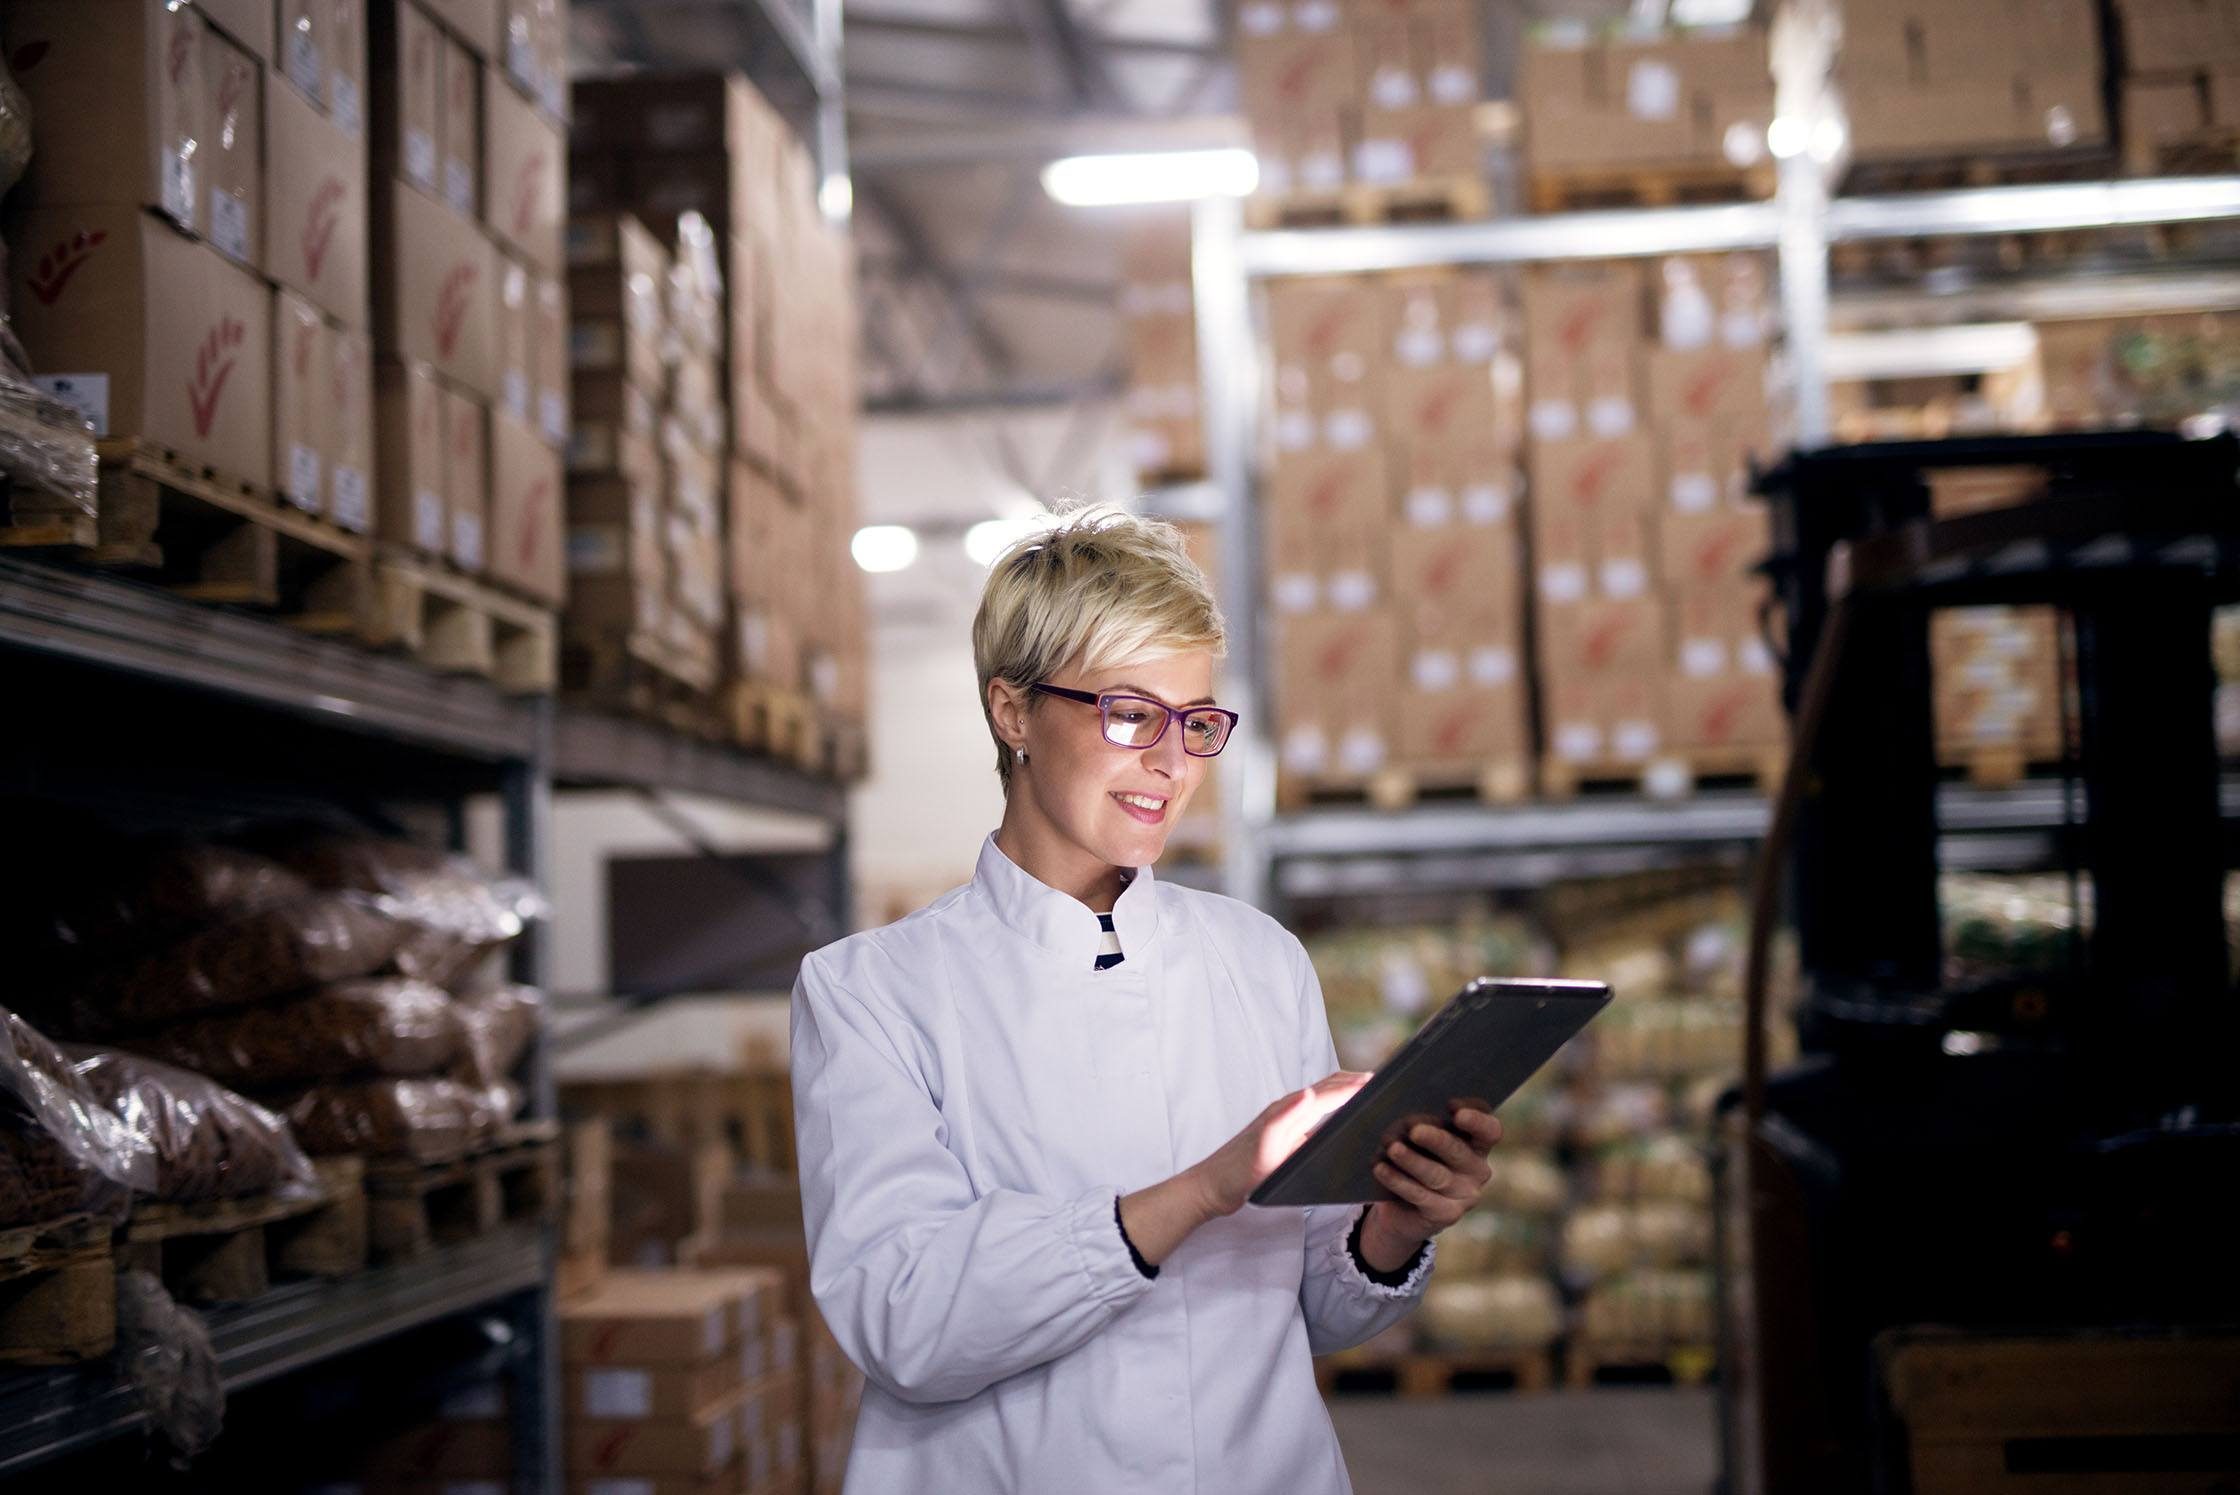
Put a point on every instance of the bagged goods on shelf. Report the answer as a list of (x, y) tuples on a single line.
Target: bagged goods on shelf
[(39, 1178), (1490, 1313), (1642, 1040), (1602, 1240), (376, 1026), (140, 893), (1524, 1182), (1491, 1242), (500, 1021), (423, 1120), (1668, 1166), (2009, 924), (45, 447), (45, 1106), (1618, 1112), (453, 913), (207, 1142), (1650, 1307)]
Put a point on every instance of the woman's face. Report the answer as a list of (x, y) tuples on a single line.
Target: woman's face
[(1117, 804)]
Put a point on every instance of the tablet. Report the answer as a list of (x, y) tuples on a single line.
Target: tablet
[(1476, 1050)]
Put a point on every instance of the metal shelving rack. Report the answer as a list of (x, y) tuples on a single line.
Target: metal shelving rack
[(253, 692), (1292, 854)]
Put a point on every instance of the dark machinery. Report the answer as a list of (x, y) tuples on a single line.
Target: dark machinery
[(2057, 1147)]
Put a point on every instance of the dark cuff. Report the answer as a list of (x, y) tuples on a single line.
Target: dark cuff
[(1134, 1255), (1381, 1279)]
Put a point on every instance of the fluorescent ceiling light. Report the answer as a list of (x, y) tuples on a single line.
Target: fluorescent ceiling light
[(992, 537), (1151, 176), (884, 547)]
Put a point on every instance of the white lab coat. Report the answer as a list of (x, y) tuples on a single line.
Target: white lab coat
[(972, 1097)]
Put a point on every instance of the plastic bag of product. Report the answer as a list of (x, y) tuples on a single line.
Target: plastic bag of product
[(375, 1025), (46, 453), (1616, 1113), (1651, 1306), (164, 1354), (137, 894), (1525, 1183), (453, 912), (54, 1120), (39, 1179), (1602, 1240), (1490, 1313), (208, 1142), (425, 1121), (1493, 1243), (499, 1022), (1667, 1166)]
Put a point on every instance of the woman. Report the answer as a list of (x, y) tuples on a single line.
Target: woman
[(1030, 1114)]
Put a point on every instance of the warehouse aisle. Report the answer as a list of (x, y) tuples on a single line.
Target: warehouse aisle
[(1609, 1441)]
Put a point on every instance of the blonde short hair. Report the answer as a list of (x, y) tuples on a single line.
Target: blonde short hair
[(1101, 587)]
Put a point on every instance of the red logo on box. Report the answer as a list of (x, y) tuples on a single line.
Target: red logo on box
[(525, 193), (175, 62), (451, 308), (57, 265), (532, 521), (319, 225), (213, 366), (1594, 475)]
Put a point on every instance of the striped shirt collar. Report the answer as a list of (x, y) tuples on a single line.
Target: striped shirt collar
[(1060, 923)]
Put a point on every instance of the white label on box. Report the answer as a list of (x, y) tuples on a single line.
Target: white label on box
[(1321, 170), (783, 1337), (1261, 18), (757, 1463), (1315, 15), (618, 1487), (1348, 430), (1634, 739), (1384, 161), (1694, 492), (723, 1442), (303, 477), (1361, 750), (178, 189), (1742, 329), (1609, 415), (1305, 750), (617, 1393), (1493, 664), (1563, 582), (1429, 508), (429, 520), (1653, 90), (1624, 576), (1294, 591), (466, 540), (88, 394), (342, 99), (1351, 591), (1295, 430), (1346, 368), (1452, 83), (351, 509), (1702, 657), (1436, 669), (1419, 347), (789, 1444), (1485, 503), (1393, 88), (1752, 657), (420, 159), (711, 1337), (1476, 342), (516, 395), (1667, 778), (458, 187), (1554, 420), (552, 414), (1578, 741), (521, 61), (552, 92), (229, 224), (752, 1355), (303, 63)]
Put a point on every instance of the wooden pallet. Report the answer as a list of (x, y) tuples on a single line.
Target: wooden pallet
[(781, 723), (2003, 767), (2209, 153), (1587, 1362), (1666, 776), (1949, 172), (1430, 1373), (216, 538), (1580, 189), (1498, 782), (232, 1250), (453, 624), (413, 1208), (1444, 200), (631, 673), (58, 1292)]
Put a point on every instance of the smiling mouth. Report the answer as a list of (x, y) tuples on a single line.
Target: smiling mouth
[(1148, 808)]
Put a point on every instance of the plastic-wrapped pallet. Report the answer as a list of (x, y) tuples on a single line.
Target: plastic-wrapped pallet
[(1486, 1313)]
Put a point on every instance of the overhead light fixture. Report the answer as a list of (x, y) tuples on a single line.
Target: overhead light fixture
[(990, 538), (1151, 176), (884, 547)]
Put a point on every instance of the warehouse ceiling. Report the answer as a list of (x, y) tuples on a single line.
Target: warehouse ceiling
[(978, 291)]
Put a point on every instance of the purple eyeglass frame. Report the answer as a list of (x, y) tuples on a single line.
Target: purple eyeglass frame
[(1174, 714)]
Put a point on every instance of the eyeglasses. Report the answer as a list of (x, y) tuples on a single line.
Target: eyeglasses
[(1138, 721)]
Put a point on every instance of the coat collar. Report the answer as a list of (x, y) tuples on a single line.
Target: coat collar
[(1059, 922)]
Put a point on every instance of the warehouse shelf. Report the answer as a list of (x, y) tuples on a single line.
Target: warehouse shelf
[(47, 1413), (1951, 296), (592, 750)]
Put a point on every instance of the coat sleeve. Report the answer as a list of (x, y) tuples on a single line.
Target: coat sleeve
[(935, 1293), (1342, 1306)]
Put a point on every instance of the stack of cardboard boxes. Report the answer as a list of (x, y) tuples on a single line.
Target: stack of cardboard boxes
[(1680, 101), (1390, 528), (189, 244), (469, 311), (1997, 672), (761, 385), (1166, 437), (1373, 92), (1923, 80), (2180, 88)]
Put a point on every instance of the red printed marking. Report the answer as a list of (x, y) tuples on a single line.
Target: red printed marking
[(213, 366), (451, 307), (319, 225), (57, 265), (525, 195)]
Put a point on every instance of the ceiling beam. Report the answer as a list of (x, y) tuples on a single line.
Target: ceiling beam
[(1010, 281), (1080, 135), (996, 34), (927, 265), (997, 397)]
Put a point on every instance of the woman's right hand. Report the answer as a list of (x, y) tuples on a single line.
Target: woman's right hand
[(1229, 1176)]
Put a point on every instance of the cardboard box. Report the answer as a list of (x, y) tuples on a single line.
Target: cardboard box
[(475, 23), (443, 1452), (1724, 711), (514, 353), (437, 302), (526, 517), (462, 130), (1431, 142), (322, 52), (1332, 330), (298, 58), (695, 111), (350, 441), (548, 358), (1463, 725), (1717, 387), (407, 53), (1712, 550), (409, 476), (702, 1444), (147, 333), (137, 68), (318, 239), (302, 366), (629, 1393), (466, 478), (1336, 677), (1583, 327), (232, 150), (1603, 719), (1459, 585), (2176, 34), (1603, 636), (678, 1318), (1590, 502), (247, 22), (1444, 408), (525, 178)]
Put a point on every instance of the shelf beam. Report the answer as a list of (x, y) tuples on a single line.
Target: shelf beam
[(591, 750), (2050, 208)]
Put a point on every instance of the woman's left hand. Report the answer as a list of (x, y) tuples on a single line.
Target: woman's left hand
[(1436, 1174)]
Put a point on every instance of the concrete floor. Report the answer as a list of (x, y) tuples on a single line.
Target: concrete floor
[(1613, 1440)]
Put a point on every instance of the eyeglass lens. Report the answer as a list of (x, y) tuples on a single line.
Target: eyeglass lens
[(1131, 721)]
